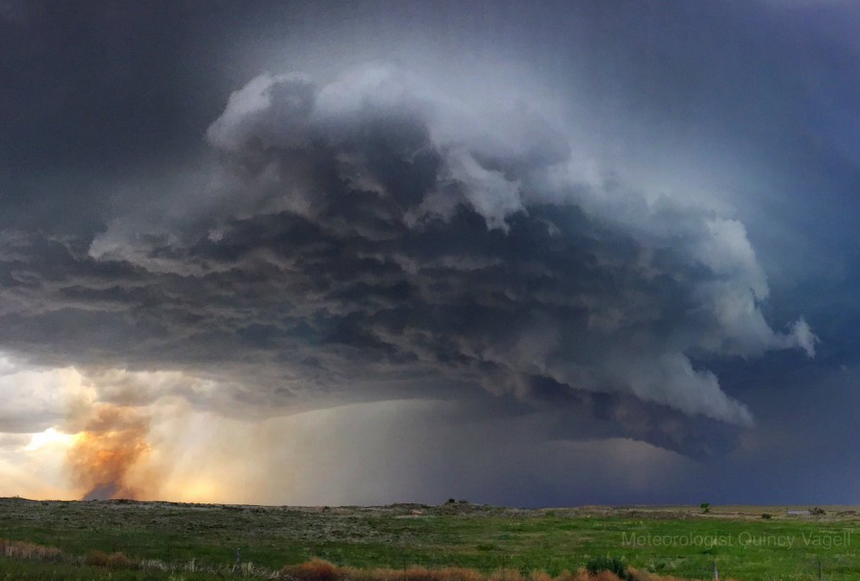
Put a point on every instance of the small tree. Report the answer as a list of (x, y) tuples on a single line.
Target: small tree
[(706, 507)]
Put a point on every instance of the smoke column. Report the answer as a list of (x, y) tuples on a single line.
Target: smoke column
[(113, 440)]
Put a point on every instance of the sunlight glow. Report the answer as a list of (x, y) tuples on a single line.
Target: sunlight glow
[(50, 437)]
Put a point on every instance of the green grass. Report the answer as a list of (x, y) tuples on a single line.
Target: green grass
[(483, 538)]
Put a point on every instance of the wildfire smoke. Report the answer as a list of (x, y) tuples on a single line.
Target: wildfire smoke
[(112, 441)]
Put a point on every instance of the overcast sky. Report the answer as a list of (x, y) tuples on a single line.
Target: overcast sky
[(527, 253)]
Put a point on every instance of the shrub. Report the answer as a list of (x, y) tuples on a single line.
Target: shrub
[(96, 559), (817, 510), (118, 561), (605, 576), (766, 515), (313, 570), (706, 507), (615, 565)]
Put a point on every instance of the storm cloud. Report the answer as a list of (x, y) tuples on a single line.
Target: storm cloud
[(520, 238), (367, 231)]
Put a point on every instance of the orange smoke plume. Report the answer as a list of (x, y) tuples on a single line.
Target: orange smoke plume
[(113, 440)]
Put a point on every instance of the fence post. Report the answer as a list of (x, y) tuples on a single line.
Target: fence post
[(716, 573)]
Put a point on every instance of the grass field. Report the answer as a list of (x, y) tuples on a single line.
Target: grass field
[(676, 541)]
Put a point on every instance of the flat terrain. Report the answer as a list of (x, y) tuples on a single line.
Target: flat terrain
[(677, 541)]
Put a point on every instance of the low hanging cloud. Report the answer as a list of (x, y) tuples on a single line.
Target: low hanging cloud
[(371, 236)]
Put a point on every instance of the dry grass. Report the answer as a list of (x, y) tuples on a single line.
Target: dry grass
[(639, 575), (317, 569), (110, 561), (155, 565), (313, 570), (32, 551), (505, 575), (320, 570), (119, 561), (537, 575), (96, 559)]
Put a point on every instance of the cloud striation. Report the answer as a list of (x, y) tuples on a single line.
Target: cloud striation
[(365, 237)]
